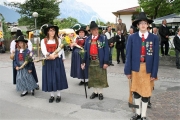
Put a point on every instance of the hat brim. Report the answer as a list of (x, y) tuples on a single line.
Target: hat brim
[(77, 32), (46, 29), (137, 21), (21, 41)]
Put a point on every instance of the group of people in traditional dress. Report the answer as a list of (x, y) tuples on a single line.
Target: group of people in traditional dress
[(141, 64)]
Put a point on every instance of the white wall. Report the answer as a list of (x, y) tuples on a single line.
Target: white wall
[(127, 20)]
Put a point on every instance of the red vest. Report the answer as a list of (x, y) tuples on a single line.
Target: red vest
[(50, 47), (93, 47)]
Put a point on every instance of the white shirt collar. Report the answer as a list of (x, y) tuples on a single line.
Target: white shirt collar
[(164, 25), (155, 34), (178, 36), (145, 34), (94, 36)]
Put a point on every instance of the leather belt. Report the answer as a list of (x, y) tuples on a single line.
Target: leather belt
[(93, 57)]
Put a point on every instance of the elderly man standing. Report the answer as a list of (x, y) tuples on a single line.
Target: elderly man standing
[(155, 32), (164, 33), (122, 27), (96, 59)]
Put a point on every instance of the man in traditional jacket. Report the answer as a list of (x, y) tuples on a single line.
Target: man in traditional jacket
[(96, 58), (141, 67)]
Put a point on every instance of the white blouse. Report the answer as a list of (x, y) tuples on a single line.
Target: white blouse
[(44, 49)]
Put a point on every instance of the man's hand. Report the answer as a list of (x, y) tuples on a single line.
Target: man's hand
[(129, 76), (153, 78), (111, 44), (167, 36), (105, 66), (17, 68), (83, 66), (29, 71)]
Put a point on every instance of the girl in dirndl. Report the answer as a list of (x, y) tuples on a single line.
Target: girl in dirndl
[(76, 60), (24, 78), (53, 71)]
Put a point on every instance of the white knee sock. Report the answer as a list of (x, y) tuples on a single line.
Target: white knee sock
[(52, 94), (24, 92), (86, 80), (58, 93), (138, 102), (100, 91), (95, 90), (37, 83), (144, 109)]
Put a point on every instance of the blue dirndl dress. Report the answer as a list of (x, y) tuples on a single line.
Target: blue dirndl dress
[(24, 80), (53, 75), (76, 71)]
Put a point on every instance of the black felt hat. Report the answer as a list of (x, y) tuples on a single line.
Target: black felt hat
[(93, 25), (81, 29), (21, 38), (51, 26), (18, 33), (142, 16)]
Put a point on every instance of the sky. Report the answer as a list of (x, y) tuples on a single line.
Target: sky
[(105, 7)]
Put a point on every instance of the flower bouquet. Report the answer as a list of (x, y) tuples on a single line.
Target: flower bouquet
[(28, 59)]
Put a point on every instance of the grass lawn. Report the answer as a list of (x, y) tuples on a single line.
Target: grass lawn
[(171, 53)]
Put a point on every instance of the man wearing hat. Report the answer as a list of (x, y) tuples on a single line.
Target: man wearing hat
[(76, 71), (141, 67), (96, 59)]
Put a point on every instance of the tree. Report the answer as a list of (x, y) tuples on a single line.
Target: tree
[(176, 6), (65, 23), (156, 8), (48, 10)]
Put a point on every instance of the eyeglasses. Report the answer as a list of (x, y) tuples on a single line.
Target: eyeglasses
[(141, 23)]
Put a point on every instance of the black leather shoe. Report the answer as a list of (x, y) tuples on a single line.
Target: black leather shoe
[(149, 105), (136, 117), (81, 83), (118, 62), (58, 99), (51, 99), (86, 83), (24, 94), (112, 64), (93, 95), (32, 93), (37, 88), (143, 118), (101, 96)]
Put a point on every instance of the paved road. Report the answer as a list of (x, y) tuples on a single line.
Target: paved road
[(74, 105)]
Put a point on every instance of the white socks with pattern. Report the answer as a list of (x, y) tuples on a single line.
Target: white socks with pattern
[(138, 102), (144, 109)]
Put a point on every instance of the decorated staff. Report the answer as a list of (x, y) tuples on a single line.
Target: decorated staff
[(23, 64), (76, 59), (142, 58), (96, 59), (53, 71)]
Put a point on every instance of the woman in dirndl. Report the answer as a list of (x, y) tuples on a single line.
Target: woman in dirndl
[(76, 60), (53, 71)]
